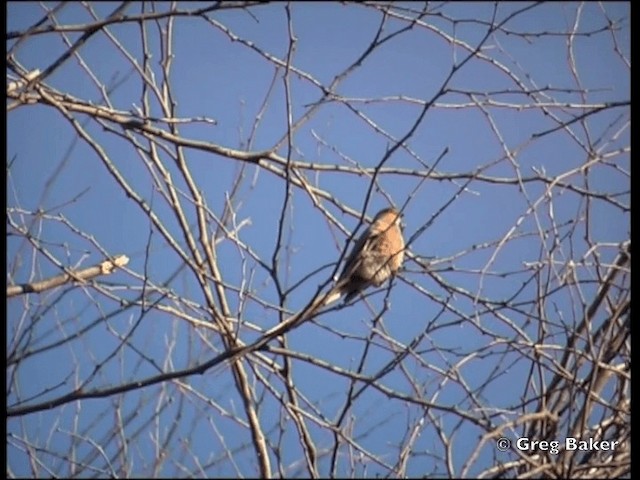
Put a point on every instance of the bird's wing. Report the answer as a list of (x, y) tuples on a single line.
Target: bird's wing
[(354, 259)]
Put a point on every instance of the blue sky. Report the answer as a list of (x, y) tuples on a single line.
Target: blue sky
[(479, 241)]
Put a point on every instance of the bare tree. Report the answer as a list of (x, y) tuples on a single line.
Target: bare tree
[(171, 244)]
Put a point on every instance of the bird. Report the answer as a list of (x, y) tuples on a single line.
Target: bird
[(376, 256)]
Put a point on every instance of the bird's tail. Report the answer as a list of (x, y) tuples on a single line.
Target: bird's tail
[(332, 296)]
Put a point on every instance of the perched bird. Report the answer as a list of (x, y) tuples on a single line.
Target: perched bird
[(376, 256)]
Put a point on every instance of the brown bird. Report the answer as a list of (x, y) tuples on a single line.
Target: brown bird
[(376, 256)]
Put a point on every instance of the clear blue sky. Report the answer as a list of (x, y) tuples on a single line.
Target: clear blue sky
[(482, 110)]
